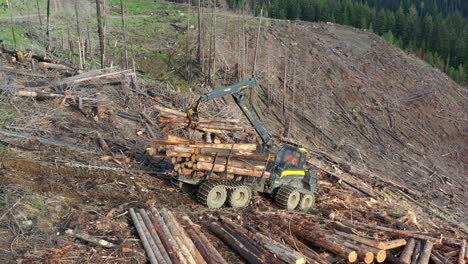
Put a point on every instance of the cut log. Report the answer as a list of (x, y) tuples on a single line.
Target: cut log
[(281, 251), (320, 238), (168, 234), (462, 254), (232, 162), (144, 240), (235, 244), (365, 241), (102, 143), (47, 65), (426, 253), (172, 153), (205, 247), (90, 239), (157, 241), (164, 239), (416, 252), (185, 238), (393, 244), (405, 256), (236, 154), (238, 147), (205, 166)]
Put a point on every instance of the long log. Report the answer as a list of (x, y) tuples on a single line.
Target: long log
[(172, 153), (185, 238), (168, 234), (102, 143), (232, 162), (461, 255), (205, 247), (416, 252), (144, 240), (320, 238), (205, 166), (236, 154), (178, 238), (90, 239), (362, 254), (164, 239), (153, 246), (281, 251), (235, 244), (426, 252), (362, 240), (238, 147), (405, 256), (154, 235), (47, 65), (392, 244)]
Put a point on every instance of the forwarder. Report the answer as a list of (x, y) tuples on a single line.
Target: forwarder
[(292, 186)]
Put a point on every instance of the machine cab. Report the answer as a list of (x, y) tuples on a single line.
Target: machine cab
[(290, 161)]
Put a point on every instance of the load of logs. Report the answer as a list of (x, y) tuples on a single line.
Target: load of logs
[(165, 240), (220, 161), (178, 119)]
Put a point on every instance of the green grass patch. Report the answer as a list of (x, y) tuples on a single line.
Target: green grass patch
[(138, 7), (6, 33), (7, 115)]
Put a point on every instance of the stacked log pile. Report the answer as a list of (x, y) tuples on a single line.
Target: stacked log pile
[(221, 161), (165, 240), (177, 119)]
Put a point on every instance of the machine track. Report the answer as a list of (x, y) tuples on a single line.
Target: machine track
[(288, 197), (214, 195)]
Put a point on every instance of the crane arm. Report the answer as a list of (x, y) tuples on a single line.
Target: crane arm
[(239, 93)]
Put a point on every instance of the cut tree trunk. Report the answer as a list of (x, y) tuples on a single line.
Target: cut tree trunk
[(405, 256)]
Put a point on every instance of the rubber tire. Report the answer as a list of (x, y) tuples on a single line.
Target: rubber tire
[(288, 198), (307, 202), (240, 197), (212, 195)]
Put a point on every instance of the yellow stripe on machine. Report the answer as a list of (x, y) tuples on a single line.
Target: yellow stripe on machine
[(303, 150), (292, 172)]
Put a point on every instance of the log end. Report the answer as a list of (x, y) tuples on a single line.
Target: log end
[(369, 258), (352, 257), (381, 256)]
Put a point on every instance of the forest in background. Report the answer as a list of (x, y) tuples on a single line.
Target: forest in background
[(434, 30)]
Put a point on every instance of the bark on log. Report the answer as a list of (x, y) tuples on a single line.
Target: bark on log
[(232, 162), (362, 240), (426, 253), (405, 256), (281, 251), (235, 244), (204, 166), (172, 153), (102, 143), (461, 255), (392, 244), (178, 238), (90, 239), (185, 238), (154, 236), (205, 247), (144, 240), (47, 65), (320, 238), (168, 234), (362, 254), (416, 252), (236, 154), (164, 239), (154, 248), (238, 147)]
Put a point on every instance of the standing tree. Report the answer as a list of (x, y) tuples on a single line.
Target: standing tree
[(102, 44)]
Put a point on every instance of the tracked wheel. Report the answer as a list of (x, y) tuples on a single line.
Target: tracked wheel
[(212, 195), (288, 197), (307, 202), (239, 197)]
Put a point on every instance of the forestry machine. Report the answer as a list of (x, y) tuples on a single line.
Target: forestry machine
[(292, 186)]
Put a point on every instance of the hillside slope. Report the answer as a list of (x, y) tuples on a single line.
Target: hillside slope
[(350, 95)]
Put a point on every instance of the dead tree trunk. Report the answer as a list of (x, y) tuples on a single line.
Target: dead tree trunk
[(124, 33), (256, 45), (101, 34), (48, 27), (39, 13), (199, 56)]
